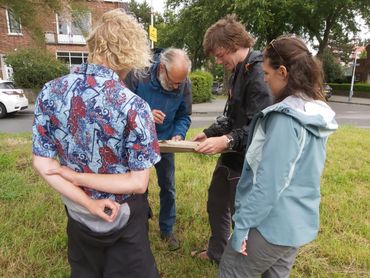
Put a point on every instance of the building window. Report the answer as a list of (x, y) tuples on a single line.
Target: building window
[(72, 59), (14, 25), (72, 29)]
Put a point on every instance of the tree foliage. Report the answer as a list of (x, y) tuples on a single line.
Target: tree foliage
[(318, 21), (332, 69), (321, 19), (201, 86), (363, 55), (342, 47), (267, 20), (32, 68), (142, 11), (187, 27)]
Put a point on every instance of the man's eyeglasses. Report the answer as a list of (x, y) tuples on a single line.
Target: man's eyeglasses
[(170, 80), (271, 45)]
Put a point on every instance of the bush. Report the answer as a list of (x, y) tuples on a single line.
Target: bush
[(201, 86), (32, 68), (332, 69), (359, 87)]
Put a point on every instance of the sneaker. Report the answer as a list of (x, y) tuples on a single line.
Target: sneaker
[(172, 242)]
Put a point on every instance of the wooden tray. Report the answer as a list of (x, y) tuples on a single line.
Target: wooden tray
[(169, 146)]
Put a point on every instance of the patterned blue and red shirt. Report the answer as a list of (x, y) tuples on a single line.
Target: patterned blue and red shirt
[(94, 124)]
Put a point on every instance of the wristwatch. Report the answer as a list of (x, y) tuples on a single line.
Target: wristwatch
[(230, 141)]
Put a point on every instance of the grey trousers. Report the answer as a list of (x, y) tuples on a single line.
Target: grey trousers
[(265, 259)]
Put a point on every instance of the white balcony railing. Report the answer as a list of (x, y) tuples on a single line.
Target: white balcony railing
[(71, 39)]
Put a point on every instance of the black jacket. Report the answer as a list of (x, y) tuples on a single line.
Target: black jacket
[(249, 95)]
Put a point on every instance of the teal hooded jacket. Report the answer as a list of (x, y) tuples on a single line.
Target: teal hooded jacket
[(279, 189)]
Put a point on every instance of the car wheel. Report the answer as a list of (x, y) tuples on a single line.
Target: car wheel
[(2, 111)]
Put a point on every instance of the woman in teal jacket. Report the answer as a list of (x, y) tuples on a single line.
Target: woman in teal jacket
[(278, 195)]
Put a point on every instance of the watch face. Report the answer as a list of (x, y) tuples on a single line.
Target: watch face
[(230, 141)]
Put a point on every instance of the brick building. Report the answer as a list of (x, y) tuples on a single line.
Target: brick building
[(64, 37), (363, 68)]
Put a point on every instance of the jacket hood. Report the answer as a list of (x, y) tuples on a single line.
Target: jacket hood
[(254, 56), (315, 115)]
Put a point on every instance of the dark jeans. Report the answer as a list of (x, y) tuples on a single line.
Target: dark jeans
[(165, 169), (122, 253), (220, 208)]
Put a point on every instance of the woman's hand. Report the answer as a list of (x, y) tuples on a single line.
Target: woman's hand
[(243, 248)]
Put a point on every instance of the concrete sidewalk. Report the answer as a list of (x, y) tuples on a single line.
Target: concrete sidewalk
[(216, 106), (354, 100)]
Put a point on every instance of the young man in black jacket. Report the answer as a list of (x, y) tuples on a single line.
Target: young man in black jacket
[(231, 45)]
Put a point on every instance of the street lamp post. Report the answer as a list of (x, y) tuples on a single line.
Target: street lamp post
[(152, 19), (353, 76)]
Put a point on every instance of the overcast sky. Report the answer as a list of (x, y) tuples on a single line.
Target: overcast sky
[(365, 32)]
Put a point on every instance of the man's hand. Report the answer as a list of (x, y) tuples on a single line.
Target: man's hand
[(176, 138), (212, 145), (66, 173), (158, 116), (200, 137), (243, 248), (98, 208)]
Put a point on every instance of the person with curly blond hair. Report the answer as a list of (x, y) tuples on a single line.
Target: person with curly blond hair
[(94, 142)]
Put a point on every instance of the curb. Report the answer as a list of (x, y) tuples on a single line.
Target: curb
[(349, 102)]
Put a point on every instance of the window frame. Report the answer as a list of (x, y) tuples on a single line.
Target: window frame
[(69, 37), (84, 56), (9, 25)]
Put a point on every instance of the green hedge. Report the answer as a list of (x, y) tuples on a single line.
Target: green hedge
[(359, 87), (201, 86), (32, 68)]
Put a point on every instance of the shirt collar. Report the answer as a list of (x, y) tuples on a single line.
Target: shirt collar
[(97, 70)]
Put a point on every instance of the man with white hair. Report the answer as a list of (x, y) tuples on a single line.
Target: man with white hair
[(167, 90)]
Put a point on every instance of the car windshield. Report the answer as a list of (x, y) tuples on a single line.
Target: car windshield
[(7, 85)]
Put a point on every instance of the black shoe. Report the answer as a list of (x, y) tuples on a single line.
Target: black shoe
[(172, 242)]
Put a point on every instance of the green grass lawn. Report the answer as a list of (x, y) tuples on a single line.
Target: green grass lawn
[(32, 229)]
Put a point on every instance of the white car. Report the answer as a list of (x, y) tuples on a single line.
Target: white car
[(11, 99)]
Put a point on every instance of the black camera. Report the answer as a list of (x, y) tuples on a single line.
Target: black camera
[(223, 124)]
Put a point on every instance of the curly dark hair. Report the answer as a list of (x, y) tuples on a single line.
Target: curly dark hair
[(305, 74)]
